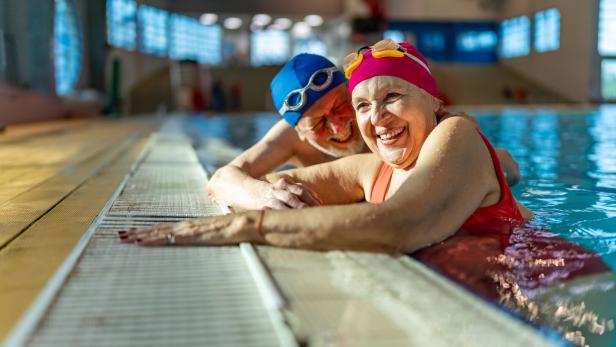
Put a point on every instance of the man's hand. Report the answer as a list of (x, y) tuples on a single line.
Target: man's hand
[(510, 167), (285, 193)]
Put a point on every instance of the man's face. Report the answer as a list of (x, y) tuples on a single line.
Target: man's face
[(330, 126)]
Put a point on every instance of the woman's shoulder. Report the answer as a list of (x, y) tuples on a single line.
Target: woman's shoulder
[(456, 135), (457, 125), (458, 146)]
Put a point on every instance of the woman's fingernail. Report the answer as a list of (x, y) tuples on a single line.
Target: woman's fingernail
[(138, 240), (122, 232)]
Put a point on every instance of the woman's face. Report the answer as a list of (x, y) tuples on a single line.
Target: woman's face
[(394, 118)]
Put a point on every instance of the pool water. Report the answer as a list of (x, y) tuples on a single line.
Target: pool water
[(567, 159), (568, 165)]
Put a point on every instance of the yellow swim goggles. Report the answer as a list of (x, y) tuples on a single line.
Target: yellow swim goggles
[(383, 49)]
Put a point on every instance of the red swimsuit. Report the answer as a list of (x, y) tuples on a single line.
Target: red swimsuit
[(493, 246), (504, 210)]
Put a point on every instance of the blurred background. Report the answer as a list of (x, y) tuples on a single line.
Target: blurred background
[(76, 58)]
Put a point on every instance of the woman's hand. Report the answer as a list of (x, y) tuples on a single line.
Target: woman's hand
[(218, 230), (286, 193)]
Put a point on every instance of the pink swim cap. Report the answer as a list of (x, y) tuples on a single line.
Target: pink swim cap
[(412, 68)]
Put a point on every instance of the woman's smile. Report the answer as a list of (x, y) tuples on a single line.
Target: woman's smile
[(391, 136)]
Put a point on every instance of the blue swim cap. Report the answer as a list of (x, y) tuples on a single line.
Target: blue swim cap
[(295, 75)]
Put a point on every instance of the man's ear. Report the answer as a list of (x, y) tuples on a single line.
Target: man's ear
[(300, 135)]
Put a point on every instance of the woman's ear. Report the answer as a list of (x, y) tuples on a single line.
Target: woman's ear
[(439, 109), (439, 106)]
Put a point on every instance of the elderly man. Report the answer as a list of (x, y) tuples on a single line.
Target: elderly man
[(318, 125)]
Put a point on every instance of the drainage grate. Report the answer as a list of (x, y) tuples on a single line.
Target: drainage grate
[(123, 295), (170, 296)]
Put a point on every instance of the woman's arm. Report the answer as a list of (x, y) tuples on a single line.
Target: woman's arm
[(452, 177)]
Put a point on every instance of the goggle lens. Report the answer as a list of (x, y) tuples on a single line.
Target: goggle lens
[(294, 98), (320, 79)]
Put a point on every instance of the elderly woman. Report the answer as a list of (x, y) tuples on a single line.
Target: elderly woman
[(424, 180)]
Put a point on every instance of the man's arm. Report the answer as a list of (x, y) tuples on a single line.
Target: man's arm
[(337, 182), (237, 184)]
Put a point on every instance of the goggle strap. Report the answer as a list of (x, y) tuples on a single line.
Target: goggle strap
[(418, 61)]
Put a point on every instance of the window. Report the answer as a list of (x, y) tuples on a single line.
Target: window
[(471, 41), (67, 47), (607, 48), (607, 27), (121, 23), (476, 45), (432, 44), (547, 30), (269, 47), (153, 30), (608, 79), (312, 44), (465, 42), (515, 36), (433, 41), (189, 39), (395, 35)]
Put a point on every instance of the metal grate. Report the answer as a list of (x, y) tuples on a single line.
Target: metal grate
[(169, 296), (122, 295)]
